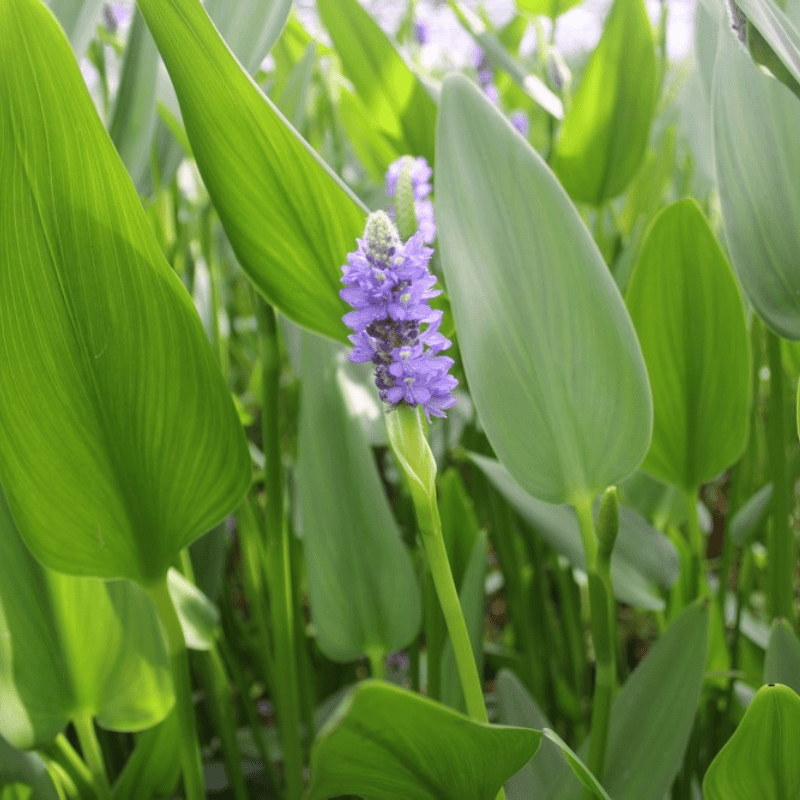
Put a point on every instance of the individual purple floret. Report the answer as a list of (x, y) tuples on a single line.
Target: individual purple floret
[(388, 286), (519, 119), (421, 175)]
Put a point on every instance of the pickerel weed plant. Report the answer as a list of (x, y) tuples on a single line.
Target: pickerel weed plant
[(374, 428)]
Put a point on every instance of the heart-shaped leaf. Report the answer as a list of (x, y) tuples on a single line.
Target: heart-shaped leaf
[(290, 219), (384, 743), (550, 353), (760, 759), (119, 443)]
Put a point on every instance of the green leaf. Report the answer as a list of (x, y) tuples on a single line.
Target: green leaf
[(782, 662), (642, 557), (384, 743), (780, 34), (552, 360), (362, 587), (548, 8), (133, 118), (119, 442), (542, 773), (750, 514), (198, 616), (27, 769), (653, 714), (290, 220), (689, 316), (760, 759), (579, 769), (79, 20), (397, 101), (70, 646), (755, 124), (604, 135), (532, 85)]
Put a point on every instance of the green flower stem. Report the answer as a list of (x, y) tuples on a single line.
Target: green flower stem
[(780, 546), (92, 754), (62, 753), (278, 563), (377, 666), (602, 611), (697, 544), (193, 782)]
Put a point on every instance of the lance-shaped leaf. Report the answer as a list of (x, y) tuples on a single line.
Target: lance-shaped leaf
[(384, 743), (689, 316), (653, 714), (79, 20), (550, 353), (119, 443), (71, 646), (398, 102), (643, 559), (363, 591), (605, 132), (290, 220), (760, 759), (757, 161)]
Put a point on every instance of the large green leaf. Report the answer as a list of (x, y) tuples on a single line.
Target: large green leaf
[(72, 646), (119, 443), (642, 560), (653, 714), (362, 587), (290, 220), (398, 102), (782, 661), (689, 316), (605, 132), (552, 360), (384, 743), (757, 160), (760, 759)]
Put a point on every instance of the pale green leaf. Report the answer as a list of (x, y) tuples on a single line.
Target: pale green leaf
[(291, 221), (782, 660), (79, 19), (119, 443), (689, 317), (604, 135), (362, 587), (399, 104), (71, 646), (553, 364), (384, 743), (757, 161)]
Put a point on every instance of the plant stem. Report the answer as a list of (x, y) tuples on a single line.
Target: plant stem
[(92, 754), (193, 782), (602, 611), (377, 666), (277, 551), (697, 545), (781, 561)]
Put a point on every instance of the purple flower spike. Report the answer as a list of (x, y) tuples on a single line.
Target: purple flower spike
[(388, 286)]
